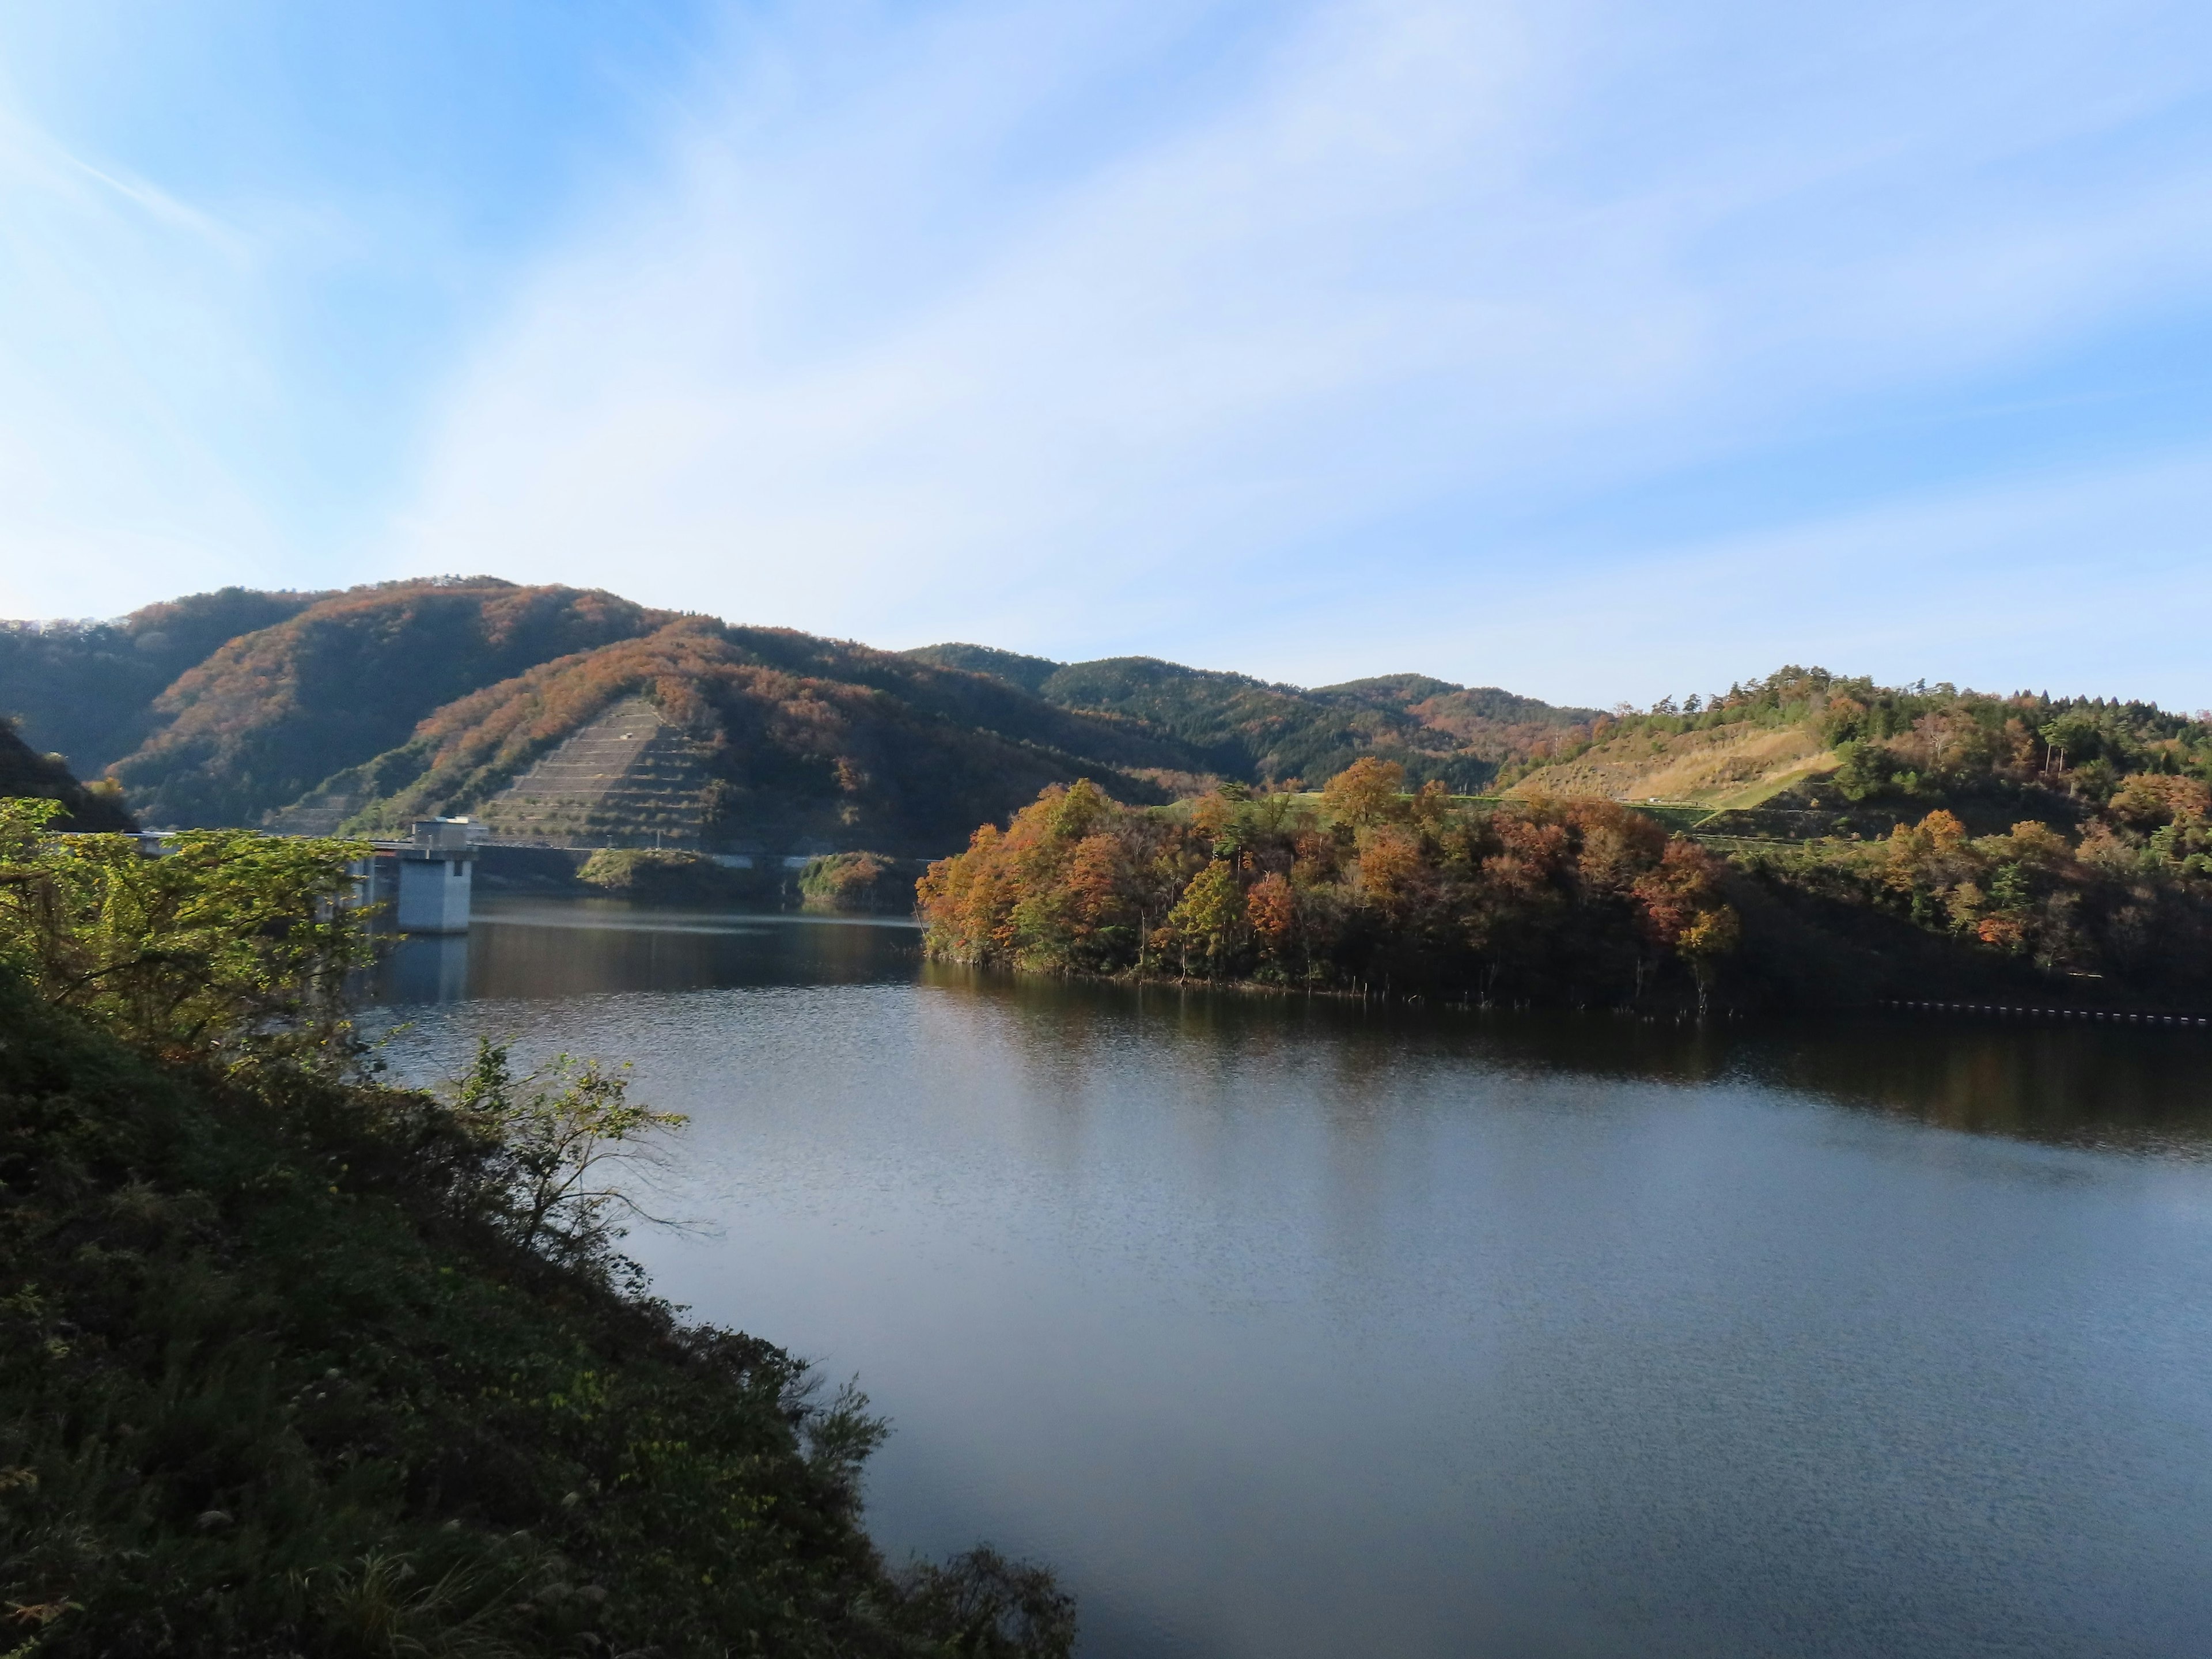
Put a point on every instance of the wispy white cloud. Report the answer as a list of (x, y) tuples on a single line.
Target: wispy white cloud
[(1312, 338), (1407, 254), (234, 239), (111, 467)]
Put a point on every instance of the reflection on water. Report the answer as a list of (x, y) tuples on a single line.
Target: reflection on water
[(1287, 1326), (2144, 1088), (559, 948)]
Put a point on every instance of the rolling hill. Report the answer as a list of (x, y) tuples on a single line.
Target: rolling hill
[(741, 740), (269, 714), (1245, 729), (1805, 752)]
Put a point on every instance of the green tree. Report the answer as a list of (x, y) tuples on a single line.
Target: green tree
[(231, 946), (1209, 917)]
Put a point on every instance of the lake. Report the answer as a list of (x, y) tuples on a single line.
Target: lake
[(1284, 1326)]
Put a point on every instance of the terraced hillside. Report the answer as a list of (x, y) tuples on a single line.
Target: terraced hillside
[(272, 714), (628, 779)]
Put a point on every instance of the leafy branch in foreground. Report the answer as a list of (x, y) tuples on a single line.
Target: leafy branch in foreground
[(551, 1144)]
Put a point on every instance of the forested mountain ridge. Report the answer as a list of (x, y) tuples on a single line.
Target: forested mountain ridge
[(1250, 730), (272, 714), (87, 690), (311, 710), (1028, 672), (802, 742), (369, 705)]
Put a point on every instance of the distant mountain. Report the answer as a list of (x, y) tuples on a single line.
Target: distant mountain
[(1254, 731), (270, 714), (577, 715), (87, 690), (24, 772), (745, 738), (1029, 672)]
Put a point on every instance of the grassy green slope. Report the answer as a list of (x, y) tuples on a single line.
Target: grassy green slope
[(265, 1390)]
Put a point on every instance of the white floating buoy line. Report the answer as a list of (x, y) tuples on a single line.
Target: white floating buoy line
[(2105, 1016)]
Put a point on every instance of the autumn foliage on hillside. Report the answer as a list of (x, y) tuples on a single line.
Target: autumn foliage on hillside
[(87, 690), (1580, 902), (906, 763), (273, 712), (2126, 907)]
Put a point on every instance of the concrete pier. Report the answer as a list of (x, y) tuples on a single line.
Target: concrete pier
[(437, 868)]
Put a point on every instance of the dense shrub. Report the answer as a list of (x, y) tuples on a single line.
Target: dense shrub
[(27, 774), (858, 881), (655, 875)]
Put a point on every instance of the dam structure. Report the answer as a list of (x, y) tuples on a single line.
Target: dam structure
[(426, 882)]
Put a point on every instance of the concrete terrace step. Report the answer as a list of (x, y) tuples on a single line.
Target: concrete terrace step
[(627, 777)]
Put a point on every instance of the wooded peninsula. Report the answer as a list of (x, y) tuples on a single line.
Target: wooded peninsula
[(2088, 883)]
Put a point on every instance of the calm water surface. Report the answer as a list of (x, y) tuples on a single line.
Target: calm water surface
[(1280, 1328)]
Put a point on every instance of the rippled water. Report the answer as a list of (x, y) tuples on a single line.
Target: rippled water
[(1287, 1327)]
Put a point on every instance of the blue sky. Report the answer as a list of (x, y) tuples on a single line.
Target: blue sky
[(1598, 350)]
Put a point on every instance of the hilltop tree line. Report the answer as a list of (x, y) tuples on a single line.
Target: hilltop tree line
[(1925, 743)]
